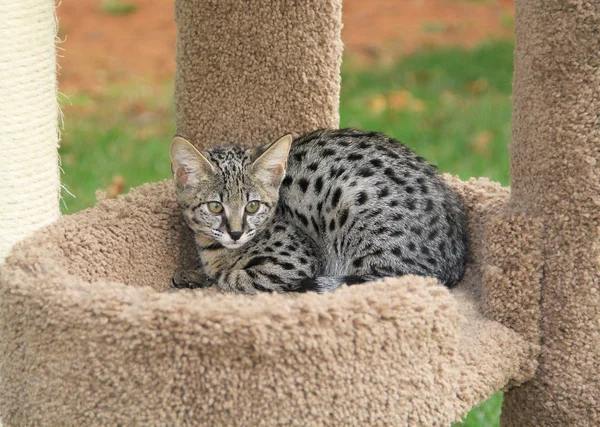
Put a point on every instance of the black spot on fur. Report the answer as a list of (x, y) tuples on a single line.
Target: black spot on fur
[(320, 207), (303, 184), (313, 166), (302, 218), (287, 181), (354, 156), (442, 248), (410, 189), (389, 172), (335, 172), (361, 198), (328, 152), (428, 205), (384, 192), (376, 162), (365, 172), (343, 217), (314, 224), (299, 156), (319, 185), (336, 197), (412, 247), (411, 204), (433, 234), (416, 230), (332, 225)]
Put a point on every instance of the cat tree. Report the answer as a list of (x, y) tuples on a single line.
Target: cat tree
[(87, 336)]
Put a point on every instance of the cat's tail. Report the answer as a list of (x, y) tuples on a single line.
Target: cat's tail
[(329, 284)]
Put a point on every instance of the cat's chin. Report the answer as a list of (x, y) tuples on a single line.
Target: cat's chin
[(235, 245)]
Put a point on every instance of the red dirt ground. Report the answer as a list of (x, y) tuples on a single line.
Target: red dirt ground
[(100, 48)]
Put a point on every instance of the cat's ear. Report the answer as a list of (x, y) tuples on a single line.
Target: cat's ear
[(188, 165), (269, 167)]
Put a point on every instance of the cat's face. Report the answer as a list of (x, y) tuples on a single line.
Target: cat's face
[(228, 194)]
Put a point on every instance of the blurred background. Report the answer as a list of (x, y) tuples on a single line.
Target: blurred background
[(435, 74)]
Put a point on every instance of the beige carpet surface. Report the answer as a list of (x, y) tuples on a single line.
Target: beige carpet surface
[(89, 335)]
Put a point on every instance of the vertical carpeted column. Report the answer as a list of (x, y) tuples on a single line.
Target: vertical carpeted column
[(555, 160), (29, 174), (248, 72)]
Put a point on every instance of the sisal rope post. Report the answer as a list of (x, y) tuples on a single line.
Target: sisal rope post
[(29, 171)]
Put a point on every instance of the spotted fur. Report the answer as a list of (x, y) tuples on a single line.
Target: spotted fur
[(336, 206)]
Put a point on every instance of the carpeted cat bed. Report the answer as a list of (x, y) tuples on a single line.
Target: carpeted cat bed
[(91, 335)]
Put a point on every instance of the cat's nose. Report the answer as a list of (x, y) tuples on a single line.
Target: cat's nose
[(235, 235)]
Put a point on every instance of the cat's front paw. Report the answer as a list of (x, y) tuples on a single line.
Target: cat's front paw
[(190, 279)]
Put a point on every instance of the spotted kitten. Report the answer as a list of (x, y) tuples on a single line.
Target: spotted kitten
[(331, 207)]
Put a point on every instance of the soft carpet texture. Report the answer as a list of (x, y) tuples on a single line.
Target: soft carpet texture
[(87, 336), (251, 71), (90, 332), (556, 181)]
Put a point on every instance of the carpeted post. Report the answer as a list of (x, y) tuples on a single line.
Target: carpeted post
[(555, 156), (248, 72)]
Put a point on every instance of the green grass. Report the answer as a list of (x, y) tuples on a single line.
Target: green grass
[(452, 106), (124, 133), (461, 109), (117, 7), (485, 415)]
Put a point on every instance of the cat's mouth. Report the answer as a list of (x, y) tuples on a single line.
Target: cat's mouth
[(229, 243)]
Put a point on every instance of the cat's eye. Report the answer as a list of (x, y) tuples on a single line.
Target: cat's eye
[(215, 207), (252, 206)]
